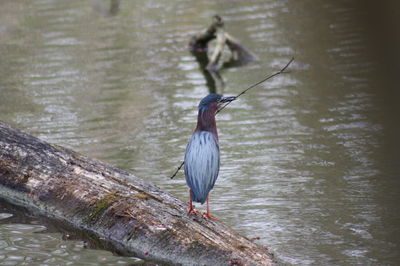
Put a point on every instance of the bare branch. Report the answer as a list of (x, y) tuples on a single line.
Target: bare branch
[(282, 71), (177, 170)]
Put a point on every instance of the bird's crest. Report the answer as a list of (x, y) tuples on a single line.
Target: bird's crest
[(210, 98)]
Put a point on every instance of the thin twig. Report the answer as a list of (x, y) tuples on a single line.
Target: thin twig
[(240, 94), (258, 83), (177, 170)]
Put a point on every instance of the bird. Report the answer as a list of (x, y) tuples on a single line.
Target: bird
[(202, 156)]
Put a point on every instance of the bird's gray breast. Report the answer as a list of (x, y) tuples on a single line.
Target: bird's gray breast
[(202, 164)]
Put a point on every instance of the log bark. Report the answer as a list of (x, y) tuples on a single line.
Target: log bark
[(135, 217)]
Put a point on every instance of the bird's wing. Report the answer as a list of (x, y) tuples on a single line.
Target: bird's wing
[(202, 164)]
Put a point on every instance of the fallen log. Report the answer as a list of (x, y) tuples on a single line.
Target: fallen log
[(133, 216)]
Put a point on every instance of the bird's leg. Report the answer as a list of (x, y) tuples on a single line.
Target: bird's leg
[(191, 209), (207, 215)]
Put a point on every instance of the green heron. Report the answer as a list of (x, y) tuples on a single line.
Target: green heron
[(202, 152)]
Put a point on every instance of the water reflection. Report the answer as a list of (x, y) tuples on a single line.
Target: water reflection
[(25, 241), (304, 165), (110, 8), (213, 78)]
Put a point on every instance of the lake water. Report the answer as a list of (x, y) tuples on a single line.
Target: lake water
[(307, 159)]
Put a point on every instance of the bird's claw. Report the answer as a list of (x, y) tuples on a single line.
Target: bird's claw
[(192, 211), (207, 216)]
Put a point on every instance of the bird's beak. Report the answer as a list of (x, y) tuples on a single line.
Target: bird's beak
[(227, 99)]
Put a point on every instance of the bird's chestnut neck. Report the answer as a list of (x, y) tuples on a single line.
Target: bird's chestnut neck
[(206, 119)]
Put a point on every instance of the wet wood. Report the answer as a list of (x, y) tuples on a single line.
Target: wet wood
[(239, 54), (200, 41), (218, 50), (134, 216)]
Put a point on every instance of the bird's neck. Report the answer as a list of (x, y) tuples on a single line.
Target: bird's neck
[(206, 120)]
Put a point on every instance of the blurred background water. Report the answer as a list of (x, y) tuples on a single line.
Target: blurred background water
[(308, 159)]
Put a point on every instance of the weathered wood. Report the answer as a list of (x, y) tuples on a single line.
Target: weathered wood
[(239, 54), (134, 216), (218, 50), (199, 42)]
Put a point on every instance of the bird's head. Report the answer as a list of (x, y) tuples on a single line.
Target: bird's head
[(213, 101), (207, 109)]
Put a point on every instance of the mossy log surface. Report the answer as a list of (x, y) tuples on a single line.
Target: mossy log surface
[(133, 216)]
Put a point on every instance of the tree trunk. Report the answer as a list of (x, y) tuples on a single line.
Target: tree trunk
[(135, 217)]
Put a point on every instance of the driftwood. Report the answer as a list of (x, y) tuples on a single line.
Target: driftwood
[(133, 216), (239, 54), (200, 41)]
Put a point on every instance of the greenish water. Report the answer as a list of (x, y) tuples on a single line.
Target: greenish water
[(306, 157), (27, 239)]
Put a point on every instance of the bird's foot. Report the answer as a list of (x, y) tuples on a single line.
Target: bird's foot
[(208, 216), (192, 211)]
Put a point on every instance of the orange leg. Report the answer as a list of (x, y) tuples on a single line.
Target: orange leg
[(191, 209), (208, 214)]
